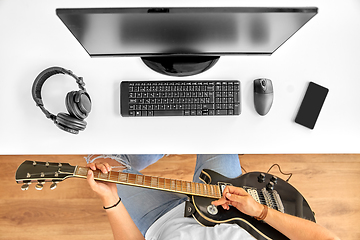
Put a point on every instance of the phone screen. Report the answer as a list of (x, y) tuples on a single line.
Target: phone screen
[(311, 105)]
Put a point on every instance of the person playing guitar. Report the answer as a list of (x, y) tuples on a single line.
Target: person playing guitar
[(139, 213)]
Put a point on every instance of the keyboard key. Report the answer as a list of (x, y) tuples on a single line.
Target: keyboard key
[(221, 112), (236, 97), (208, 106), (236, 109), (169, 113)]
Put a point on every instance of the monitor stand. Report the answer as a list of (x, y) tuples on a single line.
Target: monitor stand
[(180, 66)]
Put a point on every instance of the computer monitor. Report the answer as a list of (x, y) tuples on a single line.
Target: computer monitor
[(183, 41)]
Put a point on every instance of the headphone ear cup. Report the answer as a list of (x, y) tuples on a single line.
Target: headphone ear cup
[(78, 104), (70, 124), (82, 98)]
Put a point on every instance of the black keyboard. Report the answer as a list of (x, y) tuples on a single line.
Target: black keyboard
[(179, 98)]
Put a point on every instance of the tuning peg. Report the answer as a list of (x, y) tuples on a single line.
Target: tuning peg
[(39, 186), (53, 185), (25, 187)]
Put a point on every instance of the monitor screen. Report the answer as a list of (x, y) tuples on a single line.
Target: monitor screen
[(172, 31)]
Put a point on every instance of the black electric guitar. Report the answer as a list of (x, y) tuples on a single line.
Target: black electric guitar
[(264, 188)]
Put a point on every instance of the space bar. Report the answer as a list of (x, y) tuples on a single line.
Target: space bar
[(169, 113)]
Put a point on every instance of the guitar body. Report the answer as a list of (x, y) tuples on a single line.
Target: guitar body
[(293, 203)]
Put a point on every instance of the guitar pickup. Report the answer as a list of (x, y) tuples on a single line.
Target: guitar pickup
[(223, 185)]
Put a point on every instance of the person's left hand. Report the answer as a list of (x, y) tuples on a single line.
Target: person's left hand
[(106, 190)]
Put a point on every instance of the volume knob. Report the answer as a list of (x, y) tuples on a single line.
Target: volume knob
[(261, 178), (274, 179), (270, 186)]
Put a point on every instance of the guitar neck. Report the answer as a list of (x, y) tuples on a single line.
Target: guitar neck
[(164, 184)]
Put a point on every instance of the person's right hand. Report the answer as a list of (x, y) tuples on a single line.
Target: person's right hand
[(106, 190), (240, 199)]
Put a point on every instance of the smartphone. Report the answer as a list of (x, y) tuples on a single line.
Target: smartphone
[(311, 105)]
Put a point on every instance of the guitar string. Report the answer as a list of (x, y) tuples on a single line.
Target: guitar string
[(169, 184)]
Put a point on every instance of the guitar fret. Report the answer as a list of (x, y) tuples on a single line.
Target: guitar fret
[(147, 181), (143, 180), (154, 182), (132, 178), (178, 185), (173, 184), (101, 175), (138, 179), (167, 183), (110, 176), (123, 177), (162, 183)]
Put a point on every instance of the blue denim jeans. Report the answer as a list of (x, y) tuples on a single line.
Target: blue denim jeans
[(145, 205)]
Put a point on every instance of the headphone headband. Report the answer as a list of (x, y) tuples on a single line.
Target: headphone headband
[(47, 73)]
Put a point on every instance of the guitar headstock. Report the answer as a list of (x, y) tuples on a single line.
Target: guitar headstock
[(40, 172)]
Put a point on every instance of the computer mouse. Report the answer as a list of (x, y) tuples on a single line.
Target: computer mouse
[(263, 95)]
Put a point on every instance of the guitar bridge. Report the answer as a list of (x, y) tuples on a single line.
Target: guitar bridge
[(270, 198)]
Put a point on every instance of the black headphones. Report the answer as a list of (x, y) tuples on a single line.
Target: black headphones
[(78, 103)]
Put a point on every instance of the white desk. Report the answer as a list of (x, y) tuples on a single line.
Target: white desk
[(326, 50)]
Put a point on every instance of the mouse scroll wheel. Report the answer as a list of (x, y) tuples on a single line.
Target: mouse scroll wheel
[(263, 84)]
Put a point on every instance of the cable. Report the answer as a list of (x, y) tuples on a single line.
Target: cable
[(280, 171)]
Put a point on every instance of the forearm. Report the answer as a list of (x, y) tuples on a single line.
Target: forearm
[(123, 227), (297, 228)]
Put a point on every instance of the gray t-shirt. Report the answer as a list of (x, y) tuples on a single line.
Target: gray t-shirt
[(173, 225)]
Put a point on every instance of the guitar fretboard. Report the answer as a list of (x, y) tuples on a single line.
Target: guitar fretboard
[(165, 184)]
